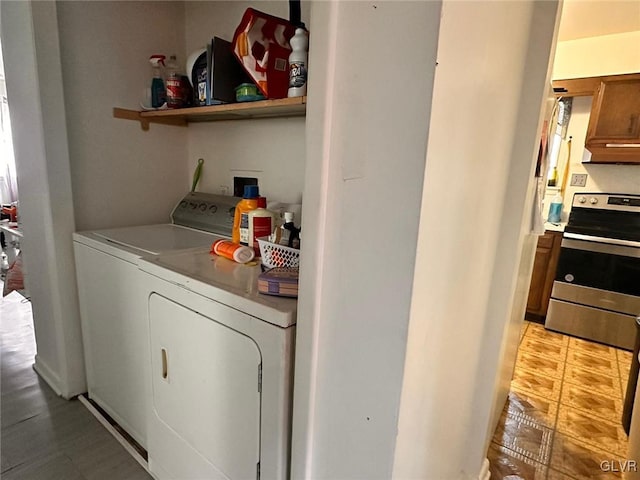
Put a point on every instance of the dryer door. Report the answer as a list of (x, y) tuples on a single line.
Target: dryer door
[(206, 398)]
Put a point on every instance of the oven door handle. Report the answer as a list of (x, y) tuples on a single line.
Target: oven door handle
[(608, 241), (598, 247)]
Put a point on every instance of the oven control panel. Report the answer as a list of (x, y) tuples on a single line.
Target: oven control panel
[(605, 217), (607, 201)]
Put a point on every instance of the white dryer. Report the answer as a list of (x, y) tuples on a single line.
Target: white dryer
[(221, 370), (115, 332)]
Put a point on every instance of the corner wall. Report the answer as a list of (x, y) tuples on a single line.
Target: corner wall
[(366, 143), (493, 58), (34, 88), (121, 175)]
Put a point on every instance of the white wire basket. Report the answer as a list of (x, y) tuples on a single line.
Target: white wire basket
[(274, 255)]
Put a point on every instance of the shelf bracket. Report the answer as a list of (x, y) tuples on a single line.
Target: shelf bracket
[(131, 115), (127, 114)]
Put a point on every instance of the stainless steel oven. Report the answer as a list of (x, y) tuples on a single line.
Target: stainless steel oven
[(596, 293)]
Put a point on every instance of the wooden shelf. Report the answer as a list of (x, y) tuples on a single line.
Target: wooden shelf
[(284, 107)]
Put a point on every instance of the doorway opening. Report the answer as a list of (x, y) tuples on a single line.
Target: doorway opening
[(10, 235), (563, 415)]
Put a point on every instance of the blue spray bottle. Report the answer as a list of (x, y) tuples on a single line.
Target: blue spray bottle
[(158, 92)]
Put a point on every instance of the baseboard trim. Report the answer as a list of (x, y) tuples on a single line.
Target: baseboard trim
[(121, 440), (485, 474), (48, 375)]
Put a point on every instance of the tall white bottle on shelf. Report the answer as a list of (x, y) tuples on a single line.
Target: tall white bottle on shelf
[(298, 63)]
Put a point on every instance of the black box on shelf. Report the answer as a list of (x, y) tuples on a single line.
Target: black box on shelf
[(216, 74)]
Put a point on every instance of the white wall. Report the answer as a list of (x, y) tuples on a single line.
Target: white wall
[(595, 56), (493, 58), (34, 87), (121, 175), (366, 141), (271, 150)]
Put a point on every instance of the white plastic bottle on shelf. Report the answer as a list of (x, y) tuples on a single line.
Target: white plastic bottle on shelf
[(174, 88), (298, 63)]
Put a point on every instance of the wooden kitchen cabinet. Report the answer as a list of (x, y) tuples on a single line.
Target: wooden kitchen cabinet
[(544, 272), (613, 135)]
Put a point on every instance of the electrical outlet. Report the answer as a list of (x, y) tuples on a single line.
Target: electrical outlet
[(579, 180), (223, 190)]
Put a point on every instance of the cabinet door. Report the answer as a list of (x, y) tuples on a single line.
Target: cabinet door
[(206, 396), (544, 269), (615, 116)]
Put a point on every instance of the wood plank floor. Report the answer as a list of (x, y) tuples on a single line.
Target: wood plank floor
[(45, 437)]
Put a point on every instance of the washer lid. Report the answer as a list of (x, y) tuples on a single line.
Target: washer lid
[(155, 239)]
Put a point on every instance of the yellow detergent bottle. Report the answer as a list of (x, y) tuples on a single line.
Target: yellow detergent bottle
[(249, 202)]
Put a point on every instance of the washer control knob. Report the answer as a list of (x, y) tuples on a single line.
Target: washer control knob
[(193, 205), (593, 200), (213, 209), (582, 199), (203, 207)]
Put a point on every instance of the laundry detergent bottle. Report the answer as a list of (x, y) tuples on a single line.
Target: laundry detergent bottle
[(249, 202)]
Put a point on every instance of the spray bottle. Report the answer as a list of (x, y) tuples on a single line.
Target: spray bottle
[(158, 92)]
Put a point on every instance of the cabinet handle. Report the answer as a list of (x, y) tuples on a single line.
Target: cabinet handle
[(165, 371)]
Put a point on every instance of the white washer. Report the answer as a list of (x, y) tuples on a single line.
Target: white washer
[(115, 331), (221, 370)]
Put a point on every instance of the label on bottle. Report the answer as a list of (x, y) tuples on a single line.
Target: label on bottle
[(297, 74), (244, 229), (201, 87), (232, 251), (261, 228), (158, 93), (284, 237), (174, 92)]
